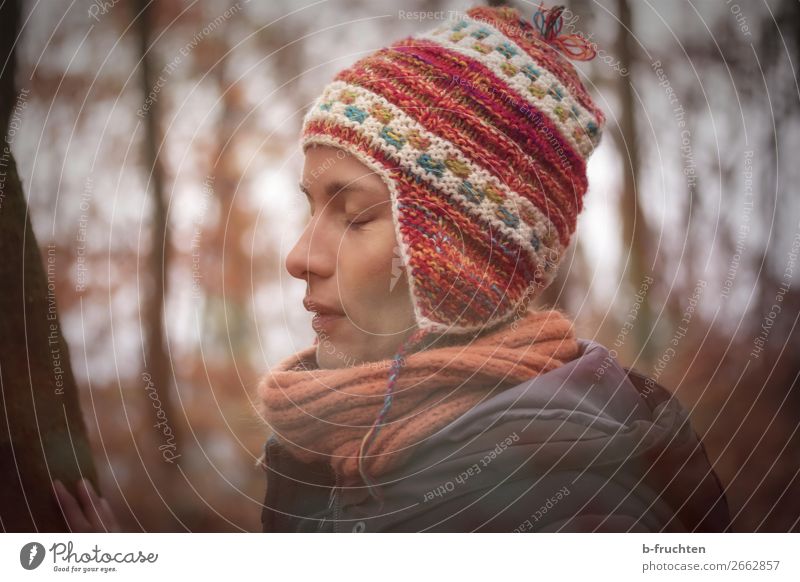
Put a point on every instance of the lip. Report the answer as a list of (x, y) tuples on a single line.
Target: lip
[(319, 307), (325, 316), (322, 322)]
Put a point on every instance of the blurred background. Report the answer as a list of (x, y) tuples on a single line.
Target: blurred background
[(157, 145)]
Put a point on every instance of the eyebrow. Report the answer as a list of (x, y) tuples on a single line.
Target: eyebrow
[(339, 187)]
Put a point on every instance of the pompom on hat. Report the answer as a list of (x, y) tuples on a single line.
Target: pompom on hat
[(481, 128)]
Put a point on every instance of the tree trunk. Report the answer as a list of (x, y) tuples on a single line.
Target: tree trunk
[(42, 432), (156, 365), (635, 230)]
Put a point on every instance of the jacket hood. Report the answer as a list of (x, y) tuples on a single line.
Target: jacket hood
[(591, 414), (586, 411)]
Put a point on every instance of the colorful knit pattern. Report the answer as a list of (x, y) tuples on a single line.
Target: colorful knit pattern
[(481, 130)]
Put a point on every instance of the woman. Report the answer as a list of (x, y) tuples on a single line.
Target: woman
[(445, 174)]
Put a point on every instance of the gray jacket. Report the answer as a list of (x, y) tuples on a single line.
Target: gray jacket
[(590, 446)]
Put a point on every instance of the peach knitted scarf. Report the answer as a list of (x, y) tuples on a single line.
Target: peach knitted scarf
[(324, 413)]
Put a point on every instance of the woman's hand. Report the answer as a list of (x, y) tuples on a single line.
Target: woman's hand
[(93, 515)]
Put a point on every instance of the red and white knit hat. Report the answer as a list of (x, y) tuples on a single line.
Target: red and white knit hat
[(481, 129)]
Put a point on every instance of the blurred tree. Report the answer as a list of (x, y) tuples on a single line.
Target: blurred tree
[(635, 233), (42, 432), (157, 363)]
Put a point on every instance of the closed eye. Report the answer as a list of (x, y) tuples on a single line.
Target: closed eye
[(357, 224)]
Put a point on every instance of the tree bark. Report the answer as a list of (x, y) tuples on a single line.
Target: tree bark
[(635, 231), (42, 432), (157, 362)]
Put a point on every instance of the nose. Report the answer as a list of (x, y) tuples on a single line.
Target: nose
[(311, 254)]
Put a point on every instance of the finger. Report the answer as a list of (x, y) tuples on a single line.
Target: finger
[(99, 510), (72, 512), (109, 519), (91, 504)]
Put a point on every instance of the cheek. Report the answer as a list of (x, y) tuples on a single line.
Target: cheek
[(379, 262), (366, 265)]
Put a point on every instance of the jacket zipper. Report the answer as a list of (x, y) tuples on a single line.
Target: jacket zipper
[(332, 502), (337, 504)]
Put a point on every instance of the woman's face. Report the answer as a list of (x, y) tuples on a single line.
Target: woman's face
[(349, 258)]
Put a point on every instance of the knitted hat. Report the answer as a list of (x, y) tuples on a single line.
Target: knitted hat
[(481, 130)]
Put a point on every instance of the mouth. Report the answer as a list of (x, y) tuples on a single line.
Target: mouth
[(325, 317), (323, 322)]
